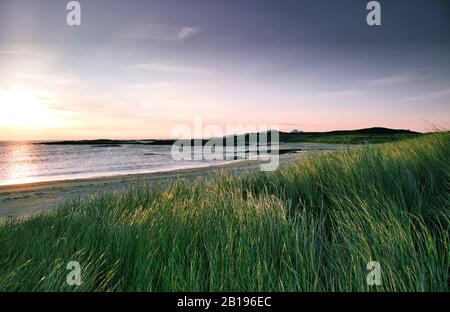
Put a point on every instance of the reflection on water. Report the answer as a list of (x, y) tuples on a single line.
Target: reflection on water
[(28, 162), (18, 167)]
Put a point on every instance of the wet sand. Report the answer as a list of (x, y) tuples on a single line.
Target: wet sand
[(24, 200)]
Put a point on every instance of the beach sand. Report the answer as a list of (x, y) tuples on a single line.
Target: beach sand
[(25, 200)]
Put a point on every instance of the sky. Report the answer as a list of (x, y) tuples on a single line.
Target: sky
[(137, 69)]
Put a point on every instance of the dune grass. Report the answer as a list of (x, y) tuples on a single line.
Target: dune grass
[(309, 226)]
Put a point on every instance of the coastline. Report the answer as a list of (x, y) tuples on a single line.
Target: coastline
[(25, 200)]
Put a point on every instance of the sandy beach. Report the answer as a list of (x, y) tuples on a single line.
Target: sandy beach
[(24, 200)]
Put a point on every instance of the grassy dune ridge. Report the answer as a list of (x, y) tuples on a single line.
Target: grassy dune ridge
[(311, 226)]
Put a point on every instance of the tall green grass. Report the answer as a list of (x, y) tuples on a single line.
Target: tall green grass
[(310, 226)]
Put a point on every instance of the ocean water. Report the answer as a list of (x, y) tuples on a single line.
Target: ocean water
[(27, 162)]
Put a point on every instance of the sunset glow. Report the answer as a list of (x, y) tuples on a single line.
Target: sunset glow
[(24, 107), (139, 71)]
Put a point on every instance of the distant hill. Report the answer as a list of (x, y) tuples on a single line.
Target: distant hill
[(374, 131), (359, 136)]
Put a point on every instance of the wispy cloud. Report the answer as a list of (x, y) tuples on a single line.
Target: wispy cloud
[(439, 93), (168, 68), (328, 96), (18, 52), (161, 32), (400, 78), (188, 32), (58, 80), (389, 80), (26, 52), (430, 96)]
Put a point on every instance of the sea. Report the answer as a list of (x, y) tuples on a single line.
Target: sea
[(29, 162)]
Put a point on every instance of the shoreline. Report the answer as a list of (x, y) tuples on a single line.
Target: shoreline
[(110, 176), (27, 199)]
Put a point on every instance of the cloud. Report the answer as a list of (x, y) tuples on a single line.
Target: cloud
[(168, 68), (401, 77), (19, 52), (28, 52), (329, 95), (389, 80), (443, 93), (160, 32), (188, 32), (58, 80), (430, 96)]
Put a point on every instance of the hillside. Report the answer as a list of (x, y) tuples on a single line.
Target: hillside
[(360, 136)]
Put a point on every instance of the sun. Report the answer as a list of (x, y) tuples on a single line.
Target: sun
[(26, 108)]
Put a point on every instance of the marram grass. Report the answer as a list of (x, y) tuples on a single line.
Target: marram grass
[(310, 226)]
